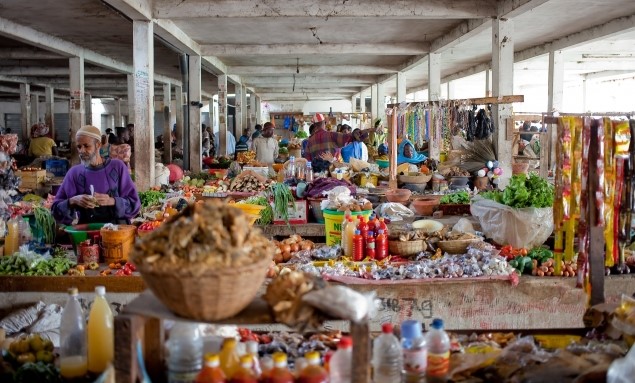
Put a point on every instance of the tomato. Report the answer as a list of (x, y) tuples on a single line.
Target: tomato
[(120, 273), (131, 266), (523, 251), (127, 271)]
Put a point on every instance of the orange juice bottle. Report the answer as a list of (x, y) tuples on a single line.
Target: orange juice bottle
[(350, 233), (245, 373), (12, 241), (280, 372), (313, 373), (101, 340), (211, 372), (229, 360)]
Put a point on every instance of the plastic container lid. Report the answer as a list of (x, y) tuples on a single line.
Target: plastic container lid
[(386, 328), (100, 290), (73, 291), (345, 342), (212, 360), (411, 329), (380, 231), (246, 361), (437, 324), (280, 359), (312, 357)]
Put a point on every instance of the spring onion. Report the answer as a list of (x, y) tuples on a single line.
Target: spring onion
[(45, 221)]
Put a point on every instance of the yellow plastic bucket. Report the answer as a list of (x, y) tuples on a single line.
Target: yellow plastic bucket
[(373, 179), (333, 224)]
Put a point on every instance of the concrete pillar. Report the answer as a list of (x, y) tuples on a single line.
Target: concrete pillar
[(253, 110), (373, 102), (555, 84), (49, 111), (503, 84), (195, 114), (451, 90), (167, 128), (434, 94), (353, 104), (88, 107), (178, 112), (401, 87), (221, 149), (488, 83), (35, 109), (258, 110), (143, 91), (25, 110), (244, 106), (238, 117), (76, 109), (131, 98), (118, 120), (585, 84), (362, 101), (381, 102)]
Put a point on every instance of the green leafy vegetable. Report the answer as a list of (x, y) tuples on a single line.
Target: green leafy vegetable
[(283, 199), (45, 221), (19, 264), (301, 134), (266, 215), (37, 372), (541, 254), (461, 198), (151, 197), (524, 191)]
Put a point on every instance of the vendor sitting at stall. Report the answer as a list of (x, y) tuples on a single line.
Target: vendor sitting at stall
[(356, 149), (97, 190), (41, 145), (406, 153)]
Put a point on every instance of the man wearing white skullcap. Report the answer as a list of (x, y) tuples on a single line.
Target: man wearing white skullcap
[(97, 190)]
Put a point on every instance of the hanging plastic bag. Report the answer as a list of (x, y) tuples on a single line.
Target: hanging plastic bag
[(527, 227)]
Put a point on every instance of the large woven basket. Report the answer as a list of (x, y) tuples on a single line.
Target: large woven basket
[(414, 178), (406, 248), (214, 295), (457, 246)]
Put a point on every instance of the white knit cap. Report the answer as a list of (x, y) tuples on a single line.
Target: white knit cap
[(89, 131)]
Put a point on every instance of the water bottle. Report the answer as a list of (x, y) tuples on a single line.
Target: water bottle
[(387, 358), (309, 172), (291, 168), (73, 356), (415, 353), (185, 353), (25, 231), (438, 343), (341, 363)]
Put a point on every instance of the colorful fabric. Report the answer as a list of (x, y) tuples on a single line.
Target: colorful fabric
[(121, 152), (104, 151), (111, 178), (415, 159), (41, 146)]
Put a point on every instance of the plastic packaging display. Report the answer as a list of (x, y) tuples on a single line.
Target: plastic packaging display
[(73, 362), (185, 353), (387, 357)]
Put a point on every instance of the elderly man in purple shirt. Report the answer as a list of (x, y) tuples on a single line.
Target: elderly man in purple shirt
[(97, 190)]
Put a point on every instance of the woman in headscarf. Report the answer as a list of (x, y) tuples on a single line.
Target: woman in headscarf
[(356, 149), (41, 145), (406, 153)]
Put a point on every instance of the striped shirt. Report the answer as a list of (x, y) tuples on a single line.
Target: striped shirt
[(323, 141)]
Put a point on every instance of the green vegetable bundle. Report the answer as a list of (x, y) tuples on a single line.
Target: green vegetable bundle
[(266, 215), (460, 198), (301, 134), (18, 264), (45, 222), (151, 197), (283, 199), (522, 264), (541, 254), (524, 191)]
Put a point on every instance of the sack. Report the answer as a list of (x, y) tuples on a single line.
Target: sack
[(50, 319), (18, 320), (528, 227)]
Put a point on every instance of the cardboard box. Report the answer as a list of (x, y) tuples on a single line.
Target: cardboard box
[(31, 179), (297, 216)]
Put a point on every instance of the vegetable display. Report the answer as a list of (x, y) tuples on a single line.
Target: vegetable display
[(266, 215), (524, 191), (282, 199), (460, 198), (20, 264), (45, 221), (151, 197)]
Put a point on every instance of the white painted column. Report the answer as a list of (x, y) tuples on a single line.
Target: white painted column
[(503, 84), (76, 109), (555, 84), (488, 83), (451, 90), (167, 128), (373, 102), (25, 111), (195, 114), (244, 106), (585, 84), (49, 112), (118, 120), (381, 102), (238, 116), (143, 90), (88, 108), (353, 104), (401, 87), (258, 110), (178, 132), (434, 94), (35, 109), (222, 116), (362, 101), (131, 98), (253, 110)]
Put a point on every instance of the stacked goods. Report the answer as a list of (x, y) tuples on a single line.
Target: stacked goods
[(290, 246), (249, 182)]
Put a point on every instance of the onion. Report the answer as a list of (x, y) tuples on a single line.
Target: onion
[(286, 256), (278, 258), (306, 246), (295, 247), (285, 248)]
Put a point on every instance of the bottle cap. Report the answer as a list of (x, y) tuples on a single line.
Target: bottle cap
[(100, 290), (229, 342), (370, 234), (291, 158), (437, 324), (345, 342), (357, 232), (73, 291), (308, 163), (280, 359), (411, 329), (386, 328), (246, 361), (212, 360), (313, 357), (380, 231)]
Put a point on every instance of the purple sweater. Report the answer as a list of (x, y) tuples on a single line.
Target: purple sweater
[(113, 179)]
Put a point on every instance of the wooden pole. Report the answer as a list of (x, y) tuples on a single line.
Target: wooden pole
[(392, 150)]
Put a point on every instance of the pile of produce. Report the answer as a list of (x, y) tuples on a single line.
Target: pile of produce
[(216, 186), (266, 215), (283, 199), (28, 359), (149, 225), (45, 222), (461, 198), (537, 262), (246, 157), (221, 162), (289, 247), (31, 263), (205, 235), (524, 191), (249, 183), (151, 198)]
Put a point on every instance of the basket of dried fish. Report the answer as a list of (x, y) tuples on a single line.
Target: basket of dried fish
[(457, 243), (206, 263), (406, 248)]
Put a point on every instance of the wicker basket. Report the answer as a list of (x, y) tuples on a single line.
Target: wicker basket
[(457, 246), (406, 248), (214, 295), (415, 178)]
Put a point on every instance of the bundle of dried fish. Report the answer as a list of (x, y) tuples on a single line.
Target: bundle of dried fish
[(284, 296), (204, 236)]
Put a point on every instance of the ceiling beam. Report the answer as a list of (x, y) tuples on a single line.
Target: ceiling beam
[(133, 9), (285, 80), (300, 89), (9, 89), (609, 74), (467, 72), (404, 9), (28, 54), (309, 69), (48, 71), (382, 49)]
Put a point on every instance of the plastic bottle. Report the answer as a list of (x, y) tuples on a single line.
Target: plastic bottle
[(313, 372), (350, 234), (358, 246), (266, 364), (280, 372), (363, 227), (415, 353), (387, 357), (370, 245), (291, 168), (438, 343), (244, 373), (101, 340), (344, 232), (252, 349), (341, 364), (185, 353), (211, 372), (381, 246), (73, 362), (327, 359), (12, 241), (383, 226), (309, 172), (25, 231), (229, 359)]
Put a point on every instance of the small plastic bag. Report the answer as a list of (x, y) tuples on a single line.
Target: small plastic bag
[(622, 370), (341, 302)]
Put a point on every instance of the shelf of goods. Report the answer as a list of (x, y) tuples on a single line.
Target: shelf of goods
[(142, 318)]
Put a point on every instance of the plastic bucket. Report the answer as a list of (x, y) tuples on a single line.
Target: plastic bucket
[(80, 233), (333, 224), (116, 244)]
